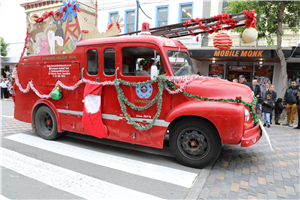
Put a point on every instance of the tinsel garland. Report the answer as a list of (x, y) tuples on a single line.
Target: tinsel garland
[(250, 105), (110, 25), (45, 16), (225, 19), (121, 98)]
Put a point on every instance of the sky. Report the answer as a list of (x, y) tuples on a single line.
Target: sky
[(12, 21)]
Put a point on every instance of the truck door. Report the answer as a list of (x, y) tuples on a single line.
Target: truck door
[(132, 70), (100, 66)]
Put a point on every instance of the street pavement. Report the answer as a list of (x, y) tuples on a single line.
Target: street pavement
[(84, 167)]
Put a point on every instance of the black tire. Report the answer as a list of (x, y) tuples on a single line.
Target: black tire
[(45, 123), (195, 143)]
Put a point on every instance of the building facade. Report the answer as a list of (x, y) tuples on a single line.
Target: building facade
[(255, 61)]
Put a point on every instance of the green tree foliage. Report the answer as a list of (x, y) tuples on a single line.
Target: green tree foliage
[(271, 16), (3, 47)]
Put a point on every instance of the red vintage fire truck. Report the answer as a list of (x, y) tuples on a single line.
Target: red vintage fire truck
[(197, 129)]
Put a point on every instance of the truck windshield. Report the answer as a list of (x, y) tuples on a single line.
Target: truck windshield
[(180, 62)]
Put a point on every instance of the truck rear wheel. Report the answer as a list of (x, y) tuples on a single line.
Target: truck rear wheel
[(45, 123), (195, 143)]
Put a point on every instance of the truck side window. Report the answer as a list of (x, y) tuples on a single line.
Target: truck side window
[(137, 61), (92, 62), (109, 60)]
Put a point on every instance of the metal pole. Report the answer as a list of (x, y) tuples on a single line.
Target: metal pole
[(137, 15)]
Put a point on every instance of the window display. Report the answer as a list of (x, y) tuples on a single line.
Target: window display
[(216, 70), (265, 71)]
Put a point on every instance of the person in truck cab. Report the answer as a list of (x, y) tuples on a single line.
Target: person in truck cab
[(146, 69), (242, 80)]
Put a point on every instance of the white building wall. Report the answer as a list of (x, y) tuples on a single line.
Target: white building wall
[(149, 8)]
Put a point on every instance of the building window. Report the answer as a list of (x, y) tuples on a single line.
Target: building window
[(185, 12), (129, 21), (224, 5), (92, 62), (264, 73), (162, 16), (109, 60), (113, 17)]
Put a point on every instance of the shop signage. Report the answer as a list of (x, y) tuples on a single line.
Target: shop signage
[(240, 67), (238, 53)]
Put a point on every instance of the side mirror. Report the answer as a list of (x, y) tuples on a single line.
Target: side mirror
[(154, 72)]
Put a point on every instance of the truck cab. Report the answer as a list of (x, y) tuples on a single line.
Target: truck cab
[(196, 128)]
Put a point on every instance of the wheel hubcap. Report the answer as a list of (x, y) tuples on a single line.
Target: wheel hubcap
[(46, 123), (193, 144)]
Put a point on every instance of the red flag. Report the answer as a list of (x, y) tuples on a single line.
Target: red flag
[(91, 119)]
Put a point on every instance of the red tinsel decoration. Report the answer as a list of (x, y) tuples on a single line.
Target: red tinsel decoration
[(251, 20), (225, 19), (110, 25), (44, 16), (85, 31), (118, 25), (26, 40), (76, 10), (62, 13)]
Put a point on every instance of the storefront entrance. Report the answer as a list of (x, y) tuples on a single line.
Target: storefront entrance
[(235, 71)]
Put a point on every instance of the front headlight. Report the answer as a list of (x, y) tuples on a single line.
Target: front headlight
[(247, 115)]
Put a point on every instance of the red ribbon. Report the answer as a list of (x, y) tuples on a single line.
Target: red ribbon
[(45, 16), (85, 31), (251, 20)]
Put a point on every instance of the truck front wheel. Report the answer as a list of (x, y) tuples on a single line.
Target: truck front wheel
[(195, 143), (45, 123)]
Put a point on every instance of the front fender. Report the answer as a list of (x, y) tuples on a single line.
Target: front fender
[(228, 118), (51, 106)]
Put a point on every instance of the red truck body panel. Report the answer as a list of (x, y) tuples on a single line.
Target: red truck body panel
[(45, 71)]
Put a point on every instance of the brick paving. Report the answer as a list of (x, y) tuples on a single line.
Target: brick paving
[(257, 172), (11, 125)]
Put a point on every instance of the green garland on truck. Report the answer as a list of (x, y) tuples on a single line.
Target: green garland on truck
[(122, 99), (250, 105), (161, 81)]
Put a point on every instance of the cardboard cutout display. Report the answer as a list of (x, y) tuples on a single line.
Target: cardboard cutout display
[(57, 30)]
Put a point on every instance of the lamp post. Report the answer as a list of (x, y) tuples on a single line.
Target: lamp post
[(138, 6)]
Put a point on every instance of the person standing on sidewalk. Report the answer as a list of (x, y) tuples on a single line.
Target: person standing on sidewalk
[(4, 86), (242, 80), (298, 107), (256, 90), (267, 108), (274, 97), (278, 110), (264, 90), (290, 102)]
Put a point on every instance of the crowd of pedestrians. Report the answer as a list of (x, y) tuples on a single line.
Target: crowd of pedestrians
[(7, 86), (267, 97)]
